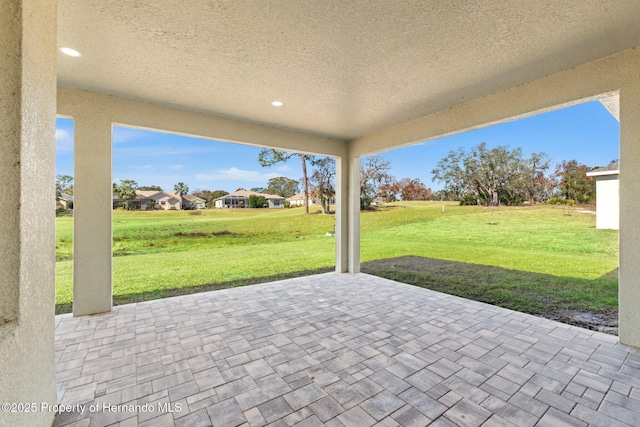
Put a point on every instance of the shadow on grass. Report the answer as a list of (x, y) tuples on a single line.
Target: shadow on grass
[(591, 304), (166, 293)]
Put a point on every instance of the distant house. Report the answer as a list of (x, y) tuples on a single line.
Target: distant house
[(299, 200), (240, 199), (150, 199), (65, 201), (607, 196), (190, 201)]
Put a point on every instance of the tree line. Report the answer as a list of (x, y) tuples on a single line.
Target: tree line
[(479, 176), (376, 182), (504, 176)]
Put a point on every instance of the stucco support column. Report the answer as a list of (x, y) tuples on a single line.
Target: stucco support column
[(27, 224), (92, 210), (342, 215), (348, 214), (629, 261), (354, 215)]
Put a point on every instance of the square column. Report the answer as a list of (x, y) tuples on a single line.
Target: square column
[(27, 225), (629, 253), (348, 215), (92, 212)]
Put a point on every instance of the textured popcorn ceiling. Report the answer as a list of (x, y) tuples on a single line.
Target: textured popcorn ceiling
[(343, 68)]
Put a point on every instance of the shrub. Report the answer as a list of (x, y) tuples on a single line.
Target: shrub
[(561, 201), (468, 200), (257, 201)]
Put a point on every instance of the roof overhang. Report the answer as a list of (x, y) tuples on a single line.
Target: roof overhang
[(344, 69)]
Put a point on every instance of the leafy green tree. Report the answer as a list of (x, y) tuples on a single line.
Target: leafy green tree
[(256, 201), (127, 191), (492, 176), (150, 188), (282, 186), (258, 190), (269, 157), (64, 185), (181, 189)]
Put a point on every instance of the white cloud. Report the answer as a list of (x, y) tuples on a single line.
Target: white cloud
[(235, 174), (175, 167), (284, 168), (62, 135), (64, 140), (143, 167)]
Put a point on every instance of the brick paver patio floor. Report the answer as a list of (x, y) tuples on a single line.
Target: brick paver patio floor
[(338, 350)]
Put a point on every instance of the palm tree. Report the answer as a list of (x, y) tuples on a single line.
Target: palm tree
[(181, 189)]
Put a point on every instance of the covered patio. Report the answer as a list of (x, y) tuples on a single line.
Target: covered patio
[(344, 79), (338, 350)]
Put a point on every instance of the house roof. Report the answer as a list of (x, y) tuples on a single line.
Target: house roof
[(612, 169), (345, 69), (247, 193), (192, 198), (147, 193), (299, 196), (66, 197)]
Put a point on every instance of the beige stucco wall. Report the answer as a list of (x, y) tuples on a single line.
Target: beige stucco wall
[(608, 202), (629, 300), (558, 90), (348, 214), (27, 228), (128, 112), (92, 223)]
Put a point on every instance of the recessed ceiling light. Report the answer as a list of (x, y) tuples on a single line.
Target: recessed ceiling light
[(70, 52), (277, 103)]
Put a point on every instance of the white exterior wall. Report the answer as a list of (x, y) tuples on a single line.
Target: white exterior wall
[(608, 202), (27, 226), (272, 204)]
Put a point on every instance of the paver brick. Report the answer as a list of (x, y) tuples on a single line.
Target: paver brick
[(274, 409), (467, 413), (555, 418), (341, 350), (382, 405)]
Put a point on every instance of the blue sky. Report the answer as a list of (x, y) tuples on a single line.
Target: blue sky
[(585, 132)]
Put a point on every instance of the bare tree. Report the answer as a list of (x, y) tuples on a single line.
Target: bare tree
[(323, 181), (374, 175)]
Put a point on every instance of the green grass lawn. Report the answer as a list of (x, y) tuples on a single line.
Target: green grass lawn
[(157, 254)]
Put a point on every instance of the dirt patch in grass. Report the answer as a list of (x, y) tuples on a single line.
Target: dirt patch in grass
[(201, 234), (591, 304)]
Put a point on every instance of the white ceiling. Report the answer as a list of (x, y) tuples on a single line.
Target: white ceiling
[(343, 68)]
